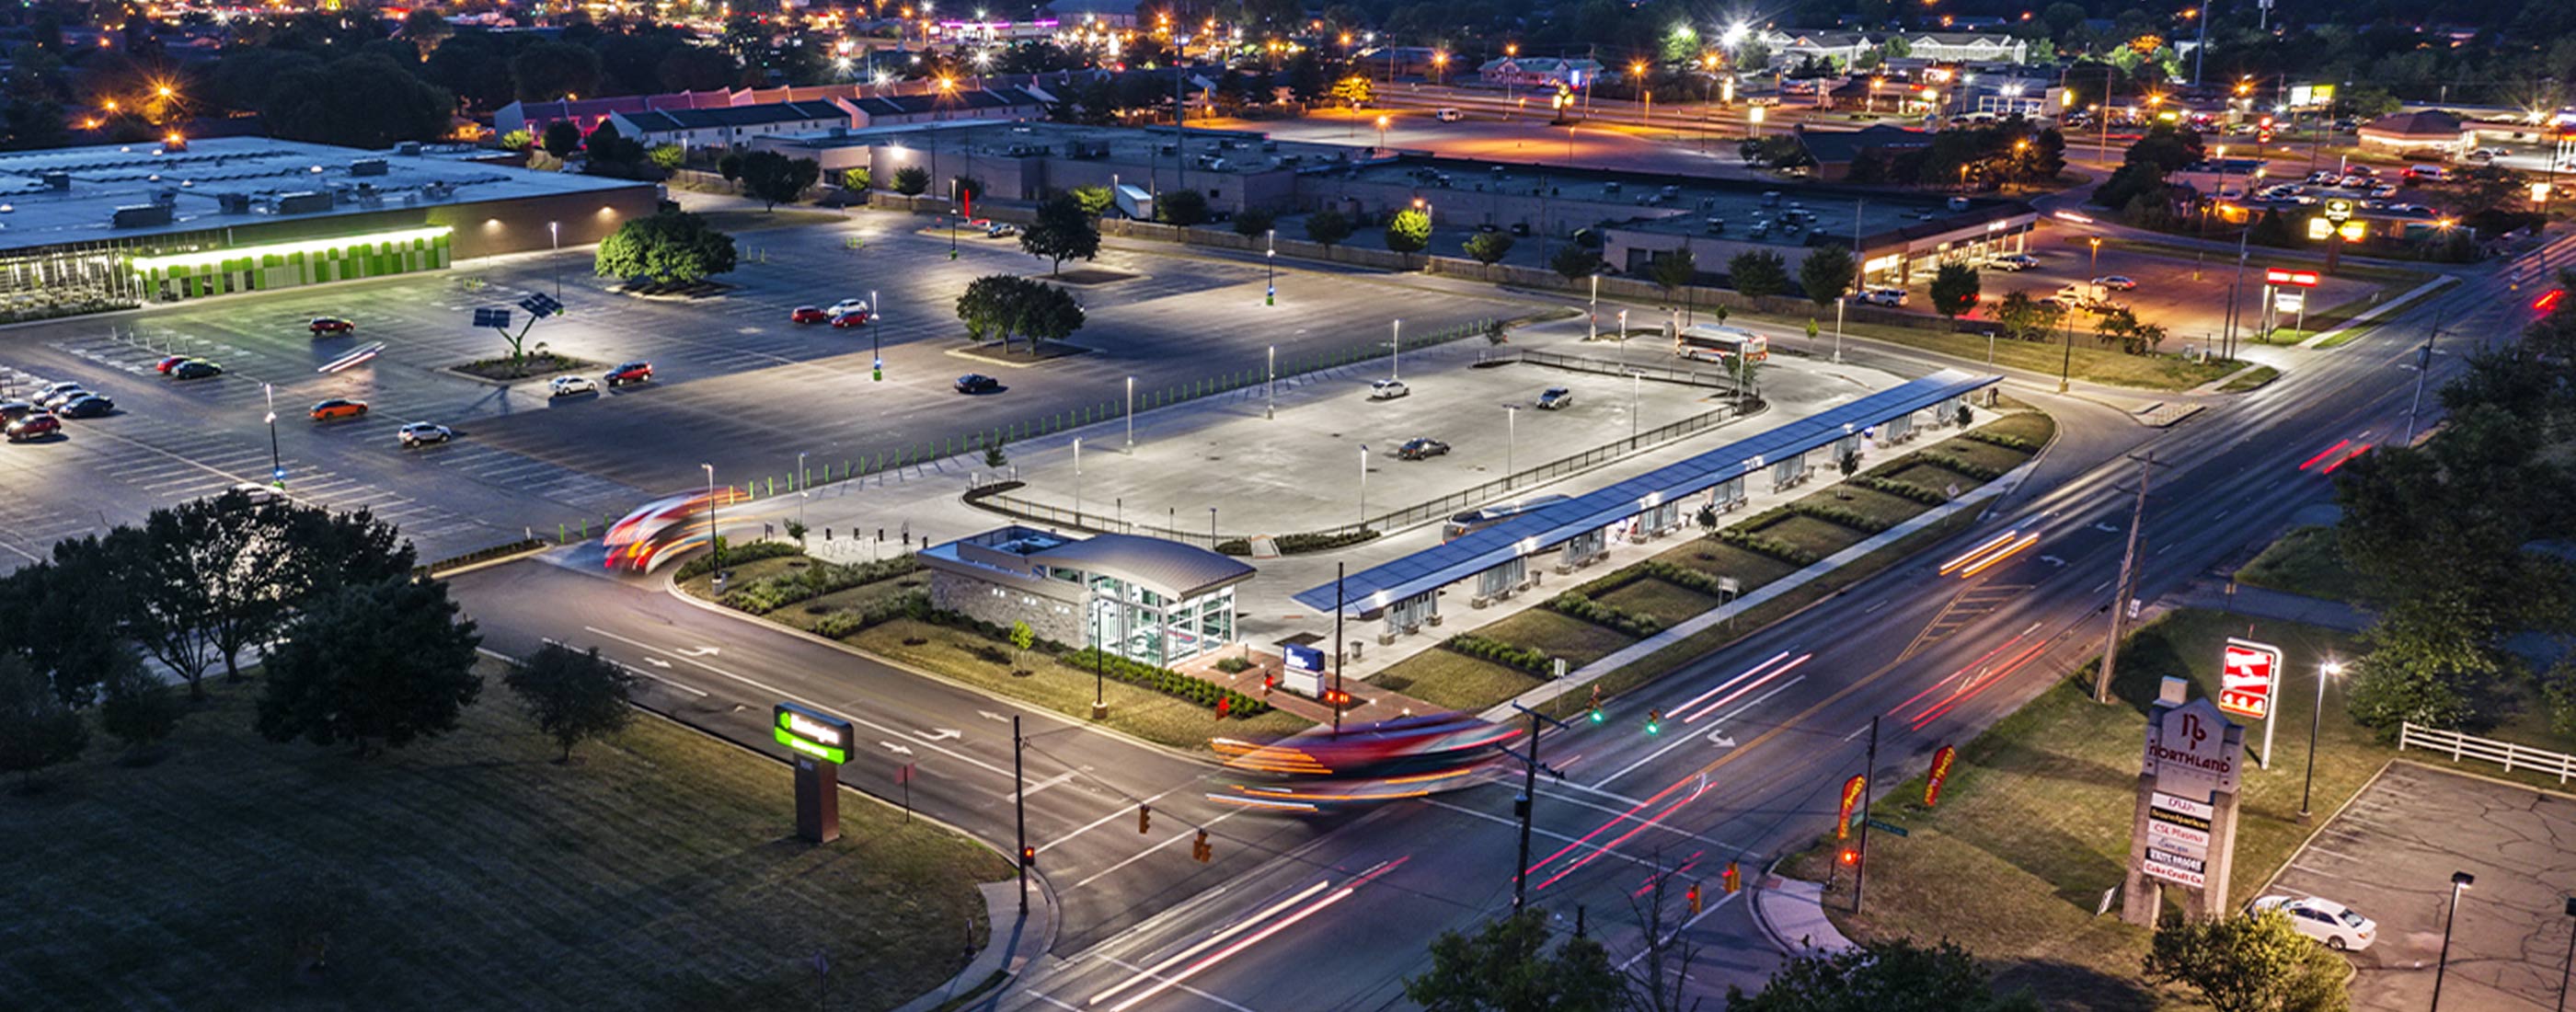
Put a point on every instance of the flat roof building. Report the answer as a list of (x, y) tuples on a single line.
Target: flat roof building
[(1146, 599)]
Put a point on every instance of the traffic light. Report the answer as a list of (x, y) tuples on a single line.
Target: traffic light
[(1144, 818), (1199, 848), (1596, 704), (1693, 894), (1028, 857), (1850, 857), (1654, 722), (1732, 879)]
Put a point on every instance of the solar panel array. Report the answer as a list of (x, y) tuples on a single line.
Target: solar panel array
[(1549, 526)]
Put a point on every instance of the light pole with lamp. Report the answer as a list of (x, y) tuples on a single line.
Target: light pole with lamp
[(1592, 311), (1131, 414), (802, 493), (2066, 361), (1211, 528), (1077, 481), (2095, 267), (2460, 880), (2324, 671), (1395, 362), (715, 545), (1381, 135), (1636, 388), (276, 466), (1623, 337), (876, 339), (1270, 385), (1270, 260), (1839, 302), (2570, 965), (1363, 487), (1511, 436), (554, 230)]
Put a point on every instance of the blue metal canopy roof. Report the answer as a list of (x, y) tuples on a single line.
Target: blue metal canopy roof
[(1548, 526)]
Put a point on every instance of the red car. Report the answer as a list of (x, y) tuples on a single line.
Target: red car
[(631, 372), (339, 407), (854, 318), (37, 425), (331, 325), (167, 364), (808, 314)]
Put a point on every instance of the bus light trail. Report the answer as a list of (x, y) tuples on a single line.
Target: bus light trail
[(1739, 693), (2008, 551), (1971, 554)]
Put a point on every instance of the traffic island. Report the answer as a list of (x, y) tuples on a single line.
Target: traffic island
[(534, 365)]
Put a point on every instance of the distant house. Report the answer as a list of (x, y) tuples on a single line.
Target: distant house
[(1834, 151), (1842, 49), (729, 127), (1966, 47), (978, 103), (1105, 13), (2428, 130), (1540, 71)]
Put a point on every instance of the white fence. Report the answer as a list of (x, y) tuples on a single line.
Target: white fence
[(2468, 746)]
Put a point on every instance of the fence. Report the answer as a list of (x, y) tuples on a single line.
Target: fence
[(1654, 371), (1423, 512), (2466, 746)]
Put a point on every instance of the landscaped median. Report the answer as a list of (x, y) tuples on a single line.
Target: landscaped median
[(1480, 668), (883, 608)]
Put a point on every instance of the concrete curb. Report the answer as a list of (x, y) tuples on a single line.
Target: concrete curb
[(1015, 942), (1802, 905)]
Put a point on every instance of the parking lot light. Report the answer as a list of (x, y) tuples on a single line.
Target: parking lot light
[(1131, 414), (1395, 365), (715, 545), (2329, 669), (2460, 881)]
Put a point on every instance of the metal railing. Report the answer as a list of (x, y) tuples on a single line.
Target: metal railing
[(2468, 746), (1659, 372)]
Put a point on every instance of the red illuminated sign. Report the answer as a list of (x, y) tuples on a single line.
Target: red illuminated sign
[(1851, 797), (2277, 276), (2246, 678), (1940, 774)]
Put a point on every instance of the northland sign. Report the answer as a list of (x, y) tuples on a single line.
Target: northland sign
[(2185, 821), (2187, 752)]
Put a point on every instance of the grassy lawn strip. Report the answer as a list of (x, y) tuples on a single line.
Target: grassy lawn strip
[(984, 664), (804, 614), (1453, 680), (1811, 534), (2091, 361), (2306, 561), (657, 871), (1574, 639), (2391, 277), (2250, 379), (2034, 823), (1667, 603)]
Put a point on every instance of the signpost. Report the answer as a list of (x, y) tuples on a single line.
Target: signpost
[(822, 743), (2184, 832), (2248, 676)]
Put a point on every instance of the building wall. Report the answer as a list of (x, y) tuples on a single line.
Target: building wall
[(1049, 617)]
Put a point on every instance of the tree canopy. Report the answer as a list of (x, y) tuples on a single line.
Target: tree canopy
[(2248, 963), (1408, 231), (1889, 976), (1062, 231), (1328, 227), (1758, 273), (669, 246), (572, 695), (773, 178), (1955, 287), (1508, 966), (373, 665), (1004, 306), (1826, 273)]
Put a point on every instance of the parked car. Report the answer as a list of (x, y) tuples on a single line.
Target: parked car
[(87, 406), (33, 425), (1388, 389), (1000, 230), (195, 368), (2013, 262), (566, 386), (165, 365), (808, 314), (2117, 282), (257, 493), (1420, 449), (58, 394), (11, 411), (338, 407), (330, 325), (420, 433), (1553, 398), (977, 383), (630, 372), (1882, 296), (854, 318), (846, 306), (2324, 920)]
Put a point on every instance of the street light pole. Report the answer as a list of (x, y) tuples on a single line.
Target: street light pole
[(2570, 965), (276, 466), (1623, 338), (1395, 363), (1592, 311), (802, 493), (1839, 303), (1270, 385), (1270, 259), (554, 230), (2066, 361), (1211, 528), (1636, 387), (715, 545), (2325, 671), (1077, 481), (1511, 436), (1131, 414), (2459, 880), (1363, 487)]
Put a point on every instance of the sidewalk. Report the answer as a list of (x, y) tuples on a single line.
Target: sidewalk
[(2385, 306), (1792, 914), (1017, 939), (2280, 605)]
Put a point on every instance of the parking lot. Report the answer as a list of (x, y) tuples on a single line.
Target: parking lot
[(737, 385), (2187, 294), (2389, 855)]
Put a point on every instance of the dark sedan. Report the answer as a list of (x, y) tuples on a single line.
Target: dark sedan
[(1421, 449), (977, 383), (92, 406)]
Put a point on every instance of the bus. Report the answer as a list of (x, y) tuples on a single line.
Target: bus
[(1470, 522), (661, 530), (1708, 343)]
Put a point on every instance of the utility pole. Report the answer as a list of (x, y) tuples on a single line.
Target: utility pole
[(1020, 811), (1868, 773), (2120, 590), (1339, 568), (1522, 805), (2423, 367)]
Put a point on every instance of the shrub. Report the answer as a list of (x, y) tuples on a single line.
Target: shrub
[(1681, 576), (1902, 489), (1962, 465), (843, 623), (1295, 544), (2005, 440), (737, 555), (773, 593), (1233, 665), (1605, 615), (1773, 547), (1843, 516), (1167, 681), (1520, 658)]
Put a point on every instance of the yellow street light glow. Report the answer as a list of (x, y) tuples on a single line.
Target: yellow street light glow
[(209, 258)]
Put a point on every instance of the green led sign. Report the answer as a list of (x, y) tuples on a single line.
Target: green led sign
[(812, 732)]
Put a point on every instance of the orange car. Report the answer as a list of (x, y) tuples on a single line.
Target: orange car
[(339, 407)]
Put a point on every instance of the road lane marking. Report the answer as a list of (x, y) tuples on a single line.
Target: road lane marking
[(1554, 835), (1041, 785), (1104, 820), (1685, 926), (1140, 855)]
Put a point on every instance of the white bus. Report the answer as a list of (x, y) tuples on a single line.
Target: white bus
[(1708, 343)]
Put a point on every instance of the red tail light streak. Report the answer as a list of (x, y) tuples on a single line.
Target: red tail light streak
[(2335, 456), (2548, 301)]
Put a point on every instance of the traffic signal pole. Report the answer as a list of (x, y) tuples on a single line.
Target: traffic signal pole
[(1020, 810), (1529, 794), (1868, 772)]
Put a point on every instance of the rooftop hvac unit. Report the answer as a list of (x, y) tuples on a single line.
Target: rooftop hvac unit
[(233, 203), (367, 167), (58, 180), (407, 148), (306, 202), (141, 215)]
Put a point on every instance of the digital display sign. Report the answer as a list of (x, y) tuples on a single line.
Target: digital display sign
[(812, 732)]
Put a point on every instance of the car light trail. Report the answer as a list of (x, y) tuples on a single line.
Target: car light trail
[(1247, 942), (352, 359), (1982, 683), (2324, 453), (1739, 693), (2346, 458), (1651, 879), (1729, 683), (1970, 666), (2008, 551), (1263, 803), (1971, 554), (1211, 942), (2548, 300)]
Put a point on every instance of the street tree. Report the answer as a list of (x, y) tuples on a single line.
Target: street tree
[(1758, 273), (1507, 966), (1489, 248), (167, 608), (857, 179), (1095, 200), (1574, 263), (1955, 287), (669, 246), (63, 616), (1826, 273), (1061, 231), (1328, 228), (1353, 91), (773, 178), (1673, 270), (1408, 231), (1887, 976), (375, 666), (138, 709), (2023, 318), (1181, 207), (729, 165), (562, 139), (37, 730), (1253, 221), (2248, 963), (572, 695), (911, 180)]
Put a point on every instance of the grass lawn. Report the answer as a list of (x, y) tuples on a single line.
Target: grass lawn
[(2034, 823), (1818, 536), (1877, 505), (1150, 715), (2001, 458), (1453, 680), (1936, 478), (2250, 379), (1717, 558), (2090, 361), (1574, 639), (1666, 602), (657, 871), (2306, 561), (702, 585), (2031, 425)]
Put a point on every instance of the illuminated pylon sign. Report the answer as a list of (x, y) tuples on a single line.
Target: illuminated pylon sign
[(2247, 674)]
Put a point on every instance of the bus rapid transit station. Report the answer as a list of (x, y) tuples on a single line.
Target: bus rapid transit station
[(1404, 594)]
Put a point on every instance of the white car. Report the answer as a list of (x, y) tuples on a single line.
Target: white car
[(566, 386), (2117, 282), (1388, 389), (420, 433), (846, 307), (1882, 296), (2013, 262), (2324, 920), (1449, 115)]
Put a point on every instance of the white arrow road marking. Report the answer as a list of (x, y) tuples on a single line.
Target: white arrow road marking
[(698, 652), (1721, 741), (940, 734), (2052, 560), (657, 662), (1042, 785), (894, 748), (2100, 526), (990, 715)]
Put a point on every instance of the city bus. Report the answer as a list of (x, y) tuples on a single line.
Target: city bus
[(1471, 521), (1709, 343)]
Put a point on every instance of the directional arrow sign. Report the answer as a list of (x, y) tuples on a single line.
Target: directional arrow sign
[(699, 652), (894, 748), (940, 734)]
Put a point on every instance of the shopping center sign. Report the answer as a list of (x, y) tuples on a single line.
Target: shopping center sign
[(2248, 676)]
